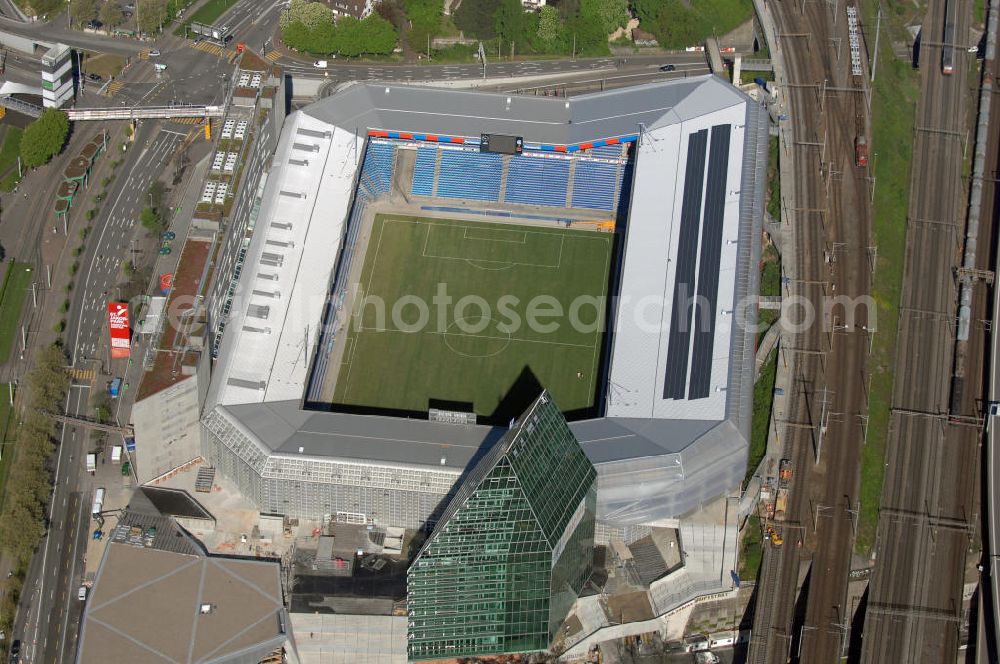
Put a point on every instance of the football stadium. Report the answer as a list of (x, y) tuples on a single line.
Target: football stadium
[(424, 262)]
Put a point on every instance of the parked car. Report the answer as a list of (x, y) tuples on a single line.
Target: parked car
[(15, 651), (168, 235), (320, 64), (164, 250), (81, 594), (668, 68), (96, 78)]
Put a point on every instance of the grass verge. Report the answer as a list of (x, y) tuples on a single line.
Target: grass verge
[(104, 64), (9, 151), (763, 397), (207, 14), (16, 282), (894, 94), (773, 179), (751, 549), (6, 440)]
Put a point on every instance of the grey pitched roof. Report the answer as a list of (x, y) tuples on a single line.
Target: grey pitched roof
[(617, 438), (284, 427), (555, 120)]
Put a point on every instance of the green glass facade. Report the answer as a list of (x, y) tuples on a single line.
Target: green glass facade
[(504, 564)]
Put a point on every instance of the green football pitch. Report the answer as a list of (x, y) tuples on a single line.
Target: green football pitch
[(459, 311)]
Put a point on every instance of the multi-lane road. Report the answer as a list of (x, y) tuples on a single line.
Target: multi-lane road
[(49, 623), (927, 518)]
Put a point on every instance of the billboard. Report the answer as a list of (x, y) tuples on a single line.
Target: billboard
[(118, 327)]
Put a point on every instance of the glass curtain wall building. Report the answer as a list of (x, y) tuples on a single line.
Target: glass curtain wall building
[(505, 563)]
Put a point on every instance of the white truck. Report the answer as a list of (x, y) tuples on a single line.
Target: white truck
[(91, 463), (116, 454), (98, 506)]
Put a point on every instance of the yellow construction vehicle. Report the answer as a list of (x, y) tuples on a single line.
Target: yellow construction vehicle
[(773, 535), (606, 225)]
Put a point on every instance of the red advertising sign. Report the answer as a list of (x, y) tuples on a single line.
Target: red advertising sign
[(166, 282), (118, 325)]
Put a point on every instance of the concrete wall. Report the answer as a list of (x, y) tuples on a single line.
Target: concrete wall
[(23, 44), (167, 429)]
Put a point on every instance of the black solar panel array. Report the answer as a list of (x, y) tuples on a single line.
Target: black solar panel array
[(697, 314), (708, 264), (675, 379)]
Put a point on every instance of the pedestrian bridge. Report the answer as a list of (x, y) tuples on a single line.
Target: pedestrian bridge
[(144, 112)]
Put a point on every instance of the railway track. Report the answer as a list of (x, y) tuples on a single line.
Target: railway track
[(927, 515), (831, 216)]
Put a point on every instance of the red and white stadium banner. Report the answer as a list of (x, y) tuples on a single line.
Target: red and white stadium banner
[(118, 326)]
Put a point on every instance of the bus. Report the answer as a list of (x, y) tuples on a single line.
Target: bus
[(95, 511), (948, 39)]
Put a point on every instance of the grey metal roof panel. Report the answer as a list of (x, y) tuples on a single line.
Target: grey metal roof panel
[(557, 120), (285, 428), (608, 440)]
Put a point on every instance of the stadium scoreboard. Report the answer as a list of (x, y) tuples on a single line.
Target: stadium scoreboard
[(501, 143)]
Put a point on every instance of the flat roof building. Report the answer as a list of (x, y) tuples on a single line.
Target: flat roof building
[(158, 597)]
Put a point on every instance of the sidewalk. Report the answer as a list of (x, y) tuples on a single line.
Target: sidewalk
[(783, 234)]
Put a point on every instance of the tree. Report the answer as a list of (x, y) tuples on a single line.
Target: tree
[(156, 193), (380, 34), (150, 220), (676, 26), (647, 11), (47, 382), (549, 28), (111, 14), (477, 18), (591, 39), (150, 15), (82, 11), (610, 14), (424, 19), (44, 138), (508, 21)]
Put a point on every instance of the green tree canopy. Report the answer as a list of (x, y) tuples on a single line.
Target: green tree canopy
[(477, 18), (550, 29), (610, 14), (348, 36), (509, 21), (150, 15), (82, 11), (44, 138), (424, 17), (111, 14)]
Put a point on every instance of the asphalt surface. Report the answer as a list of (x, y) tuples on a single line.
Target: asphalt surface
[(914, 607), (824, 433), (49, 619)]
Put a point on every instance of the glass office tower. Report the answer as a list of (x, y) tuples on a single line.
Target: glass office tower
[(511, 552)]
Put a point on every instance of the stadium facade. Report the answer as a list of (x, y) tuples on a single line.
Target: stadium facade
[(683, 165), (507, 559)]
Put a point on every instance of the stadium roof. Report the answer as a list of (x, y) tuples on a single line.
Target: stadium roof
[(285, 428), (557, 120), (677, 404)]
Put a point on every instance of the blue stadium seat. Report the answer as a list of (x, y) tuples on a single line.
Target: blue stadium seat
[(378, 166), (607, 152), (594, 185), (537, 181), (472, 175), (423, 172)]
